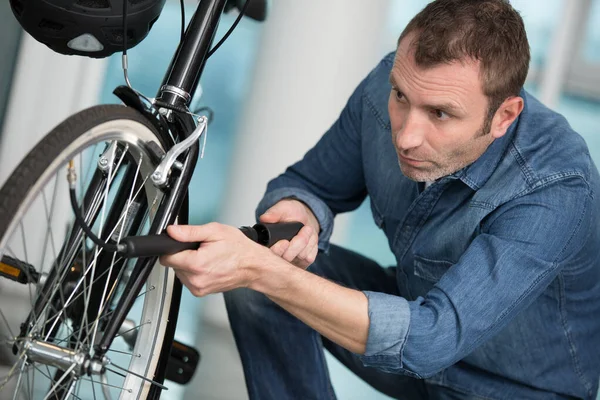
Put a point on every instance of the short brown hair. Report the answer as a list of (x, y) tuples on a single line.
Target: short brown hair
[(490, 31)]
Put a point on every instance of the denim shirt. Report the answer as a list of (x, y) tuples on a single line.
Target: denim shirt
[(498, 263)]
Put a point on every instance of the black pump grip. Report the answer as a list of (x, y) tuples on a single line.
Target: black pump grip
[(163, 244), (269, 234), (154, 245)]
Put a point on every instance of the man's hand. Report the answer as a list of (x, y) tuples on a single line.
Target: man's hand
[(227, 259), (302, 250), (221, 263)]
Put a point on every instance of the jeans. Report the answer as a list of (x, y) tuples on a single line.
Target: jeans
[(283, 358)]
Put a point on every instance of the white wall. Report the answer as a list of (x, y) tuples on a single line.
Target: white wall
[(47, 87), (311, 57)]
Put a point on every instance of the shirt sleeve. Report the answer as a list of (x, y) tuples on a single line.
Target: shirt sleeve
[(522, 247), (330, 177)]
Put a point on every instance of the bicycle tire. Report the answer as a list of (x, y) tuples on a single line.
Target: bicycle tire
[(106, 123)]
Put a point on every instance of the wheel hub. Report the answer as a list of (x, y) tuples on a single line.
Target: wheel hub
[(80, 363)]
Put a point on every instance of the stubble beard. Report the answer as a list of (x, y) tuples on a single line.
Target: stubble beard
[(452, 162)]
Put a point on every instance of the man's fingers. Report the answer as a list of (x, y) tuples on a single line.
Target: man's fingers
[(269, 218), (184, 260), (298, 243), (193, 233), (274, 214), (280, 247), (306, 252), (286, 210)]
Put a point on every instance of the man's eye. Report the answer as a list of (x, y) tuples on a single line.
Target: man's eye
[(439, 114), (399, 95)]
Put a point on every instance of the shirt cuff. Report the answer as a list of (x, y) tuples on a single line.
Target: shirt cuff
[(321, 211), (389, 323)]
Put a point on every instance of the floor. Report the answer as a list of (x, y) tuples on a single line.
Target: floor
[(219, 375)]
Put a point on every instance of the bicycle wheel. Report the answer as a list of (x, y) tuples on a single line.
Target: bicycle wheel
[(69, 287)]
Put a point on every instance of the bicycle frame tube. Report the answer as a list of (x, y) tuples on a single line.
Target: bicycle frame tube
[(184, 72)]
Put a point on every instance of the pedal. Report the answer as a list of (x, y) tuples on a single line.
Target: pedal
[(18, 271), (182, 363)]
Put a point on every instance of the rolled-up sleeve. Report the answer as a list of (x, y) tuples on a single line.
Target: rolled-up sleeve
[(521, 249), (389, 322)]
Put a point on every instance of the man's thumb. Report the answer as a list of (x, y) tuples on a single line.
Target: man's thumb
[(186, 233), (270, 217)]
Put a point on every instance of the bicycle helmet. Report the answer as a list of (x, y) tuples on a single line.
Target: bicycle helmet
[(92, 28)]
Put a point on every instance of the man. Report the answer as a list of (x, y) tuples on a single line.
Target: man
[(493, 216)]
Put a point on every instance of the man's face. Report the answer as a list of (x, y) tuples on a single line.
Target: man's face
[(437, 116)]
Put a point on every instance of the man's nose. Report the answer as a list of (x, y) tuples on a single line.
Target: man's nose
[(411, 133)]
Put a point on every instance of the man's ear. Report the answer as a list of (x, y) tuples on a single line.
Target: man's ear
[(508, 111)]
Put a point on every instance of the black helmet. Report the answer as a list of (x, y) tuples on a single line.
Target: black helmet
[(92, 28)]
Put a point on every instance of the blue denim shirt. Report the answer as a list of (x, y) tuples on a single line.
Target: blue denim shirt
[(500, 261)]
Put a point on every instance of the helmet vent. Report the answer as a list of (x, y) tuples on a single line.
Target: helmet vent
[(115, 36), (93, 3), (50, 25)]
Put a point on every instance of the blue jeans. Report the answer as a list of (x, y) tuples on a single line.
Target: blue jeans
[(283, 358)]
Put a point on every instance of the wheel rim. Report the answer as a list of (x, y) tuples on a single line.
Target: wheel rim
[(44, 198)]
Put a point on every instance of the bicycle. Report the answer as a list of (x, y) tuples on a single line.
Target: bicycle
[(97, 314)]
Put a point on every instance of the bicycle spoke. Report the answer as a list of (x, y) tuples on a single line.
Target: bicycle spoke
[(111, 176), (126, 353), (48, 296), (106, 315), (95, 323), (71, 387), (56, 386), (4, 379), (32, 383), (28, 384), (146, 291), (49, 231), (78, 387), (78, 332), (58, 288), (109, 385), (86, 301), (24, 242), (18, 388), (12, 371), (138, 375), (68, 302), (120, 235), (93, 386), (135, 327), (6, 322), (82, 292), (89, 169), (58, 383), (106, 389), (26, 260), (100, 315), (92, 267), (58, 315)]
